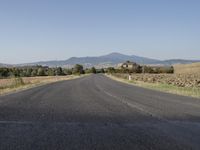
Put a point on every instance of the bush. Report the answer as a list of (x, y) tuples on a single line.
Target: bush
[(164, 70), (78, 69), (111, 70), (67, 71), (41, 72), (93, 70)]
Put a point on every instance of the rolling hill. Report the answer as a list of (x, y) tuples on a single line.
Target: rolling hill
[(107, 61)]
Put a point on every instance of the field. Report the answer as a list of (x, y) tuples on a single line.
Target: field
[(185, 84), (187, 68), (15, 84), (185, 80)]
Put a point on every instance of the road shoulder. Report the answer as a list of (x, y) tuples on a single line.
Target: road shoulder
[(191, 92), (36, 83)]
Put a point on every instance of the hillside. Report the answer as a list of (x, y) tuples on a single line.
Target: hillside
[(110, 60), (4, 65)]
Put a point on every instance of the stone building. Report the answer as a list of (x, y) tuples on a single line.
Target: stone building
[(128, 65)]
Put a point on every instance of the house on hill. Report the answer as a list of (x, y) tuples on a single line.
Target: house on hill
[(128, 65)]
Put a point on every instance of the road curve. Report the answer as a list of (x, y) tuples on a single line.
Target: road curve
[(95, 112)]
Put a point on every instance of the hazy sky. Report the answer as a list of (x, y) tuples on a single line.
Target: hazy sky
[(33, 30)]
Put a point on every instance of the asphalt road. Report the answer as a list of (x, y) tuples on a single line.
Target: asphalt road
[(95, 112)]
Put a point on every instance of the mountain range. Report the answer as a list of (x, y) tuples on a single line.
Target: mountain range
[(110, 60)]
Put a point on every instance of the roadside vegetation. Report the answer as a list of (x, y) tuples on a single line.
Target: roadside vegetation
[(14, 79), (143, 69), (20, 83), (35, 71), (187, 85), (178, 79)]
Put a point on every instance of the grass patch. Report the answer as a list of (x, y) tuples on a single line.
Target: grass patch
[(185, 91), (16, 84)]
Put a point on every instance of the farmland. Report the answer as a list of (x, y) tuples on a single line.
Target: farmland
[(192, 68), (15, 84), (183, 84), (186, 80)]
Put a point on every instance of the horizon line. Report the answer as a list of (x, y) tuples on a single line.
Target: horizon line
[(39, 61)]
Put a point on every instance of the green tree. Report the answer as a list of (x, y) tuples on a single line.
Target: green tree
[(67, 71), (88, 70), (111, 70), (28, 72), (59, 71), (78, 69), (16, 72), (41, 72), (93, 70), (51, 72), (102, 70), (34, 73), (146, 69), (4, 72)]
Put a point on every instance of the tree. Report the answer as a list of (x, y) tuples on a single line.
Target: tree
[(28, 72), (67, 71), (138, 69), (87, 70), (4, 72), (22, 72), (146, 69), (59, 71), (34, 73), (51, 72), (41, 72), (111, 70), (15, 72), (78, 69), (93, 70), (102, 70)]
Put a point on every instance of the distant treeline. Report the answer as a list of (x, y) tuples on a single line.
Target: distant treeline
[(33, 71), (45, 71), (142, 69)]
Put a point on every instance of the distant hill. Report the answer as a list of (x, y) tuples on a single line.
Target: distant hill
[(100, 61), (107, 61), (5, 65), (177, 61)]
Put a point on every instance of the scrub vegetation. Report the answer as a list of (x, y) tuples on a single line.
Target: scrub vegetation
[(21, 83), (19, 78)]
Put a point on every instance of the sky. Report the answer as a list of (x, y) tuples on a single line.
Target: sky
[(40, 30)]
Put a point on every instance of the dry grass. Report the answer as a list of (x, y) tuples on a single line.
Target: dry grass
[(160, 86), (15, 84), (187, 68)]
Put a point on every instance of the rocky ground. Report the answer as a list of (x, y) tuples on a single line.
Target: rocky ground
[(186, 80)]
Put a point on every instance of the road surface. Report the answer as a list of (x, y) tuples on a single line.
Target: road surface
[(95, 112)]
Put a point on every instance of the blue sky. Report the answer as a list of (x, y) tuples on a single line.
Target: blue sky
[(58, 29)]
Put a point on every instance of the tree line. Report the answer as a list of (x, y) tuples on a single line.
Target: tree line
[(142, 69), (33, 71)]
